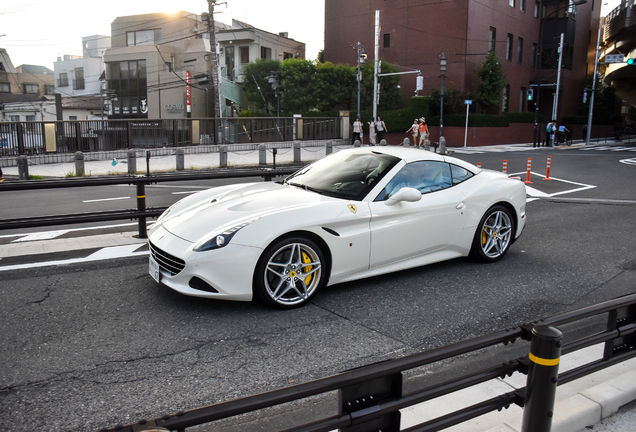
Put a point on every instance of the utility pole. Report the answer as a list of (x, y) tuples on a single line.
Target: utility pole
[(376, 68), (362, 58), (589, 114), (216, 91), (555, 107)]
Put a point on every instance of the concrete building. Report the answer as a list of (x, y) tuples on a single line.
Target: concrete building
[(414, 34), (151, 59), (80, 76), (243, 43), (24, 90), (619, 37)]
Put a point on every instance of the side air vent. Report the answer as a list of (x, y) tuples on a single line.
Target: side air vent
[(330, 231)]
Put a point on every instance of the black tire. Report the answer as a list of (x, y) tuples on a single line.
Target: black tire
[(494, 235), (289, 273)]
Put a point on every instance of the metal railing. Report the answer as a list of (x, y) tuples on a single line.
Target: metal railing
[(370, 397), (28, 138), (141, 213)]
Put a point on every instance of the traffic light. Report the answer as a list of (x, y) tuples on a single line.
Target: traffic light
[(630, 61), (530, 95)]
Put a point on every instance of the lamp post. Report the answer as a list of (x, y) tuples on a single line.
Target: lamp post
[(539, 65), (442, 68)]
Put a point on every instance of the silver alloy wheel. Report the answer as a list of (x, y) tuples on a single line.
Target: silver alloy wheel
[(496, 234), (292, 274)]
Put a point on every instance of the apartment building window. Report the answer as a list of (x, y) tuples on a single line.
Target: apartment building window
[(128, 80), (505, 99), (30, 89), (522, 5), (522, 99), (72, 118), (15, 118), (245, 55), (143, 37), (30, 127), (62, 80), (78, 81), (49, 89), (387, 40), (519, 50), (492, 39), (533, 58), (511, 3), (537, 8), (266, 53), (509, 47), (5, 88)]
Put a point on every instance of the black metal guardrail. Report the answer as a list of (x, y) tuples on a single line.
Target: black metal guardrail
[(370, 397), (141, 213)]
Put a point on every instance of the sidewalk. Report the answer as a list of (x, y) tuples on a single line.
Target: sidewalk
[(114, 163), (169, 162)]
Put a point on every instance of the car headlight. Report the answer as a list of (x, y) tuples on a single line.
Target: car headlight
[(220, 240)]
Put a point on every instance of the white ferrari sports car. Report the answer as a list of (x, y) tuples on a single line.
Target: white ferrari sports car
[(354, 214)]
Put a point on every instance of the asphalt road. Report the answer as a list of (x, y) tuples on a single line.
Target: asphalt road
[(93, 345)]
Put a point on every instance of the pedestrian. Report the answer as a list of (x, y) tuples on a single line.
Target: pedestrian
[(563, 133), (372, 134), (549, 133), (414, 129), (380, 128), (357, 130), (1, 175), (423, 132), (585, 132)]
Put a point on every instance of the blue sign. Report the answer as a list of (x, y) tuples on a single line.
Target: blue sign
[(468, 102), (115, 161)]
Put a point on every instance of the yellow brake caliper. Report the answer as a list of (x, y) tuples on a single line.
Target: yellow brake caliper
[(307, 269)]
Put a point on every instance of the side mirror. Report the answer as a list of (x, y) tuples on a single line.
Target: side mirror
[(405, 194)]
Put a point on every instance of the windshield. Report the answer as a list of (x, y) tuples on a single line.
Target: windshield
[(344, 174)]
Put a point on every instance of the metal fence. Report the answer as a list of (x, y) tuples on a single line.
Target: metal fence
[(29, 138), (370, 397)]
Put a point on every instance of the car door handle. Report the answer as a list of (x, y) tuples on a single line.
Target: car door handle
[(461, 206)]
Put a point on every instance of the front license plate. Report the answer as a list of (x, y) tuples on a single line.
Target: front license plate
[(153, 269)]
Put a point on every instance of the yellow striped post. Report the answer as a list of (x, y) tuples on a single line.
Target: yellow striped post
[(543, 376)]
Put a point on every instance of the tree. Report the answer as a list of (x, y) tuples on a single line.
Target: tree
[(454, 101), (257, 88), (606, 107), (390, 95), (298, 78), (335, 85), (491, 81)]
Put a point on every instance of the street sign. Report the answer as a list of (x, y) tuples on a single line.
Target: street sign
[(615, 58), (468, 102)]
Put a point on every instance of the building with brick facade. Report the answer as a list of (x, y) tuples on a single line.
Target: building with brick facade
[(415, 33)]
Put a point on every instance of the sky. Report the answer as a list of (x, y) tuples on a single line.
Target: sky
[(37, 32)]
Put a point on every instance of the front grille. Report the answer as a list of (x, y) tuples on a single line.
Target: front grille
[(167, 262)]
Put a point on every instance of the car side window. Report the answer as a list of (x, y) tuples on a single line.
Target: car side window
[(460, 174), (425, 176)]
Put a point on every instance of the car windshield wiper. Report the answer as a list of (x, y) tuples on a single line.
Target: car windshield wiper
[(307, 188)]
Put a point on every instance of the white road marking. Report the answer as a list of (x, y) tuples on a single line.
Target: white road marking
[(184, 193), (102, 254), (106, 199), (52, 234)]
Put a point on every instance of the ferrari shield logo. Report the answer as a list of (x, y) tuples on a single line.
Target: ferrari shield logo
[(353, 208)]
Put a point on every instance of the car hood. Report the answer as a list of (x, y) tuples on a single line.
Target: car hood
[(215, 210)]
